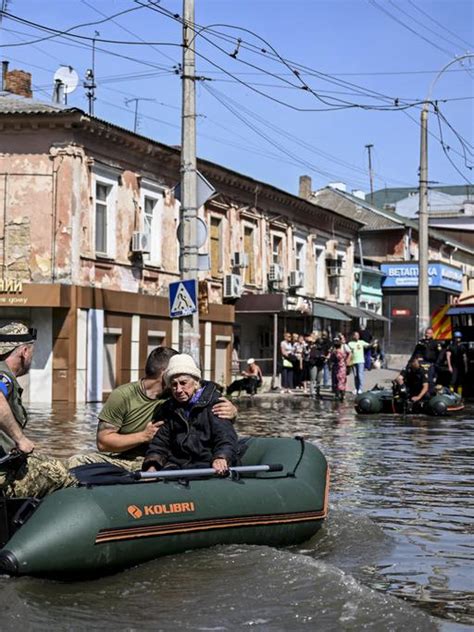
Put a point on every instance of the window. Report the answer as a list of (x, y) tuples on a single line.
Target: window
[(102, 201), (335, 270), (104, 204), (320, 272), (152, 205), (111, 341), (300, 255), (216, 246), (277, 249), (249, 249)]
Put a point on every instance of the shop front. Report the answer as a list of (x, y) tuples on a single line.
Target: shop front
[(400, 290), (261, 320), (91, 340)]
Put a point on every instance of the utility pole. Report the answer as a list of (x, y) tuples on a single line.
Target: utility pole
[(423, 282), (424, 313), (371, 173), (188, 256)]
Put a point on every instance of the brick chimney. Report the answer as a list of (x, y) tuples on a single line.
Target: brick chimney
[(305, 187), (16, 81)]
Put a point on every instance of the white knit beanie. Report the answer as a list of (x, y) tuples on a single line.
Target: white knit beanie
[(181, 364)]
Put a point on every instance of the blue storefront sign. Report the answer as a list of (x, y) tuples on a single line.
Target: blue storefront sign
[(405, 275)]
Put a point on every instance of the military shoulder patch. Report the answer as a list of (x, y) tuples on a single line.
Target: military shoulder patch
[(6, 384)]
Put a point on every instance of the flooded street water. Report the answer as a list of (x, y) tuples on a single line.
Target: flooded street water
[(396, 552)]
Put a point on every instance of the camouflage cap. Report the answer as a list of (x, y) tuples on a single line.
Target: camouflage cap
[(13, 335)]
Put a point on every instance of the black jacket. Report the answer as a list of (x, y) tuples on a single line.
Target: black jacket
[(193, 440), (429, 349)]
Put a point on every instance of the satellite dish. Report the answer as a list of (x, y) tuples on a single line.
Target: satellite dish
[(68, 77)]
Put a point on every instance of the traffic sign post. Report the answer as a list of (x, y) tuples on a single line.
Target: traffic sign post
[(183, 298)]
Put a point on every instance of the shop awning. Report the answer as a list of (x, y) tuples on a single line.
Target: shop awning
[(457, 310), (322, 310), (358, 312)]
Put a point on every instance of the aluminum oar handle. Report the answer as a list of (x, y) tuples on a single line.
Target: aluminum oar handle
[(209, 471)]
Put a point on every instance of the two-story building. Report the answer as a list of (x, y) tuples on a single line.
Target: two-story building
[(387, 267), (88, 247)]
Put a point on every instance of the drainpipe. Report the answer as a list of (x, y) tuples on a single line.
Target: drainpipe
[(408, 244), (275, 349), (361, 258)]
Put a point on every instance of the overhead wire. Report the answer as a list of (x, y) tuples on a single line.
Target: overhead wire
[(406, 26), (234, 77), (345, 105), (311, 167), (211, 29), (124, 28), (291, 137), (446, 149), (422, 24), (67, 31), (443, 26)]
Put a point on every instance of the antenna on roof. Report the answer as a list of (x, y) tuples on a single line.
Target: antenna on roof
[(65, 82), (90, 84)]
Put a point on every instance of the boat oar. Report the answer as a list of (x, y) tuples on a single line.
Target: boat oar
[(208, 471)]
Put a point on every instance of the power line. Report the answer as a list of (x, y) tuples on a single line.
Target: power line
[(67, 31), (443, 26), (282, 132), (85, 46), (289, 64), (423, 25), (393, 17), (446, 149), (270, 140), (160, 52)]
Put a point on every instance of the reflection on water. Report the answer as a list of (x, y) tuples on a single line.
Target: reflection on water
[(401, 524)]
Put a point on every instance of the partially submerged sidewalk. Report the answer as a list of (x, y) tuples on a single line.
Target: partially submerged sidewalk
[(381, 377)]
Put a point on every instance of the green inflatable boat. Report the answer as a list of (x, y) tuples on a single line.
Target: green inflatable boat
[(113, 522), (396, 401)]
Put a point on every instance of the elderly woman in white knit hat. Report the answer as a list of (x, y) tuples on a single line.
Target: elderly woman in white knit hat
[(192, 435)]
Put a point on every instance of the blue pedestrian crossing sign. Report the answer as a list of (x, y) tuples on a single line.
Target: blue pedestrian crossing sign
[(183, 298)]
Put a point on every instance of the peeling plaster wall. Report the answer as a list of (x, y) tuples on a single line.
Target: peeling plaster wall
[(26, 200), (63, 200)]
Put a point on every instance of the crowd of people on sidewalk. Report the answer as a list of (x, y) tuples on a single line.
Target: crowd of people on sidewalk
[(314, 360)]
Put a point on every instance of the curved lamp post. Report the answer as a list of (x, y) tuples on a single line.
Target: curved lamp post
[(423, 284)]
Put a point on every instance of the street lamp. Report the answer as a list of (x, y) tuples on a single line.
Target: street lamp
[(423, 284)]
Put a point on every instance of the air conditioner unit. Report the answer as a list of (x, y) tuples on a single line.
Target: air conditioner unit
[(240, 260), (232, 286), (296, 278), (140, 242), (334, 272), (275, 273)]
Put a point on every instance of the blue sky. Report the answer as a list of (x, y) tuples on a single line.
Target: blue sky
[(347, 53)]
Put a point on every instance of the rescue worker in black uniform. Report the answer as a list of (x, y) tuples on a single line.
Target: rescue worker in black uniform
[(457, 359), (429, 351), (415, 378)]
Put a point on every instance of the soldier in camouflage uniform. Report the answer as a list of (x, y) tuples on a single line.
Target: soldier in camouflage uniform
[(24, 474)]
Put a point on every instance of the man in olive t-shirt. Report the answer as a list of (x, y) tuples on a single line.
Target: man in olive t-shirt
[(126, 424), (357, 347)]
